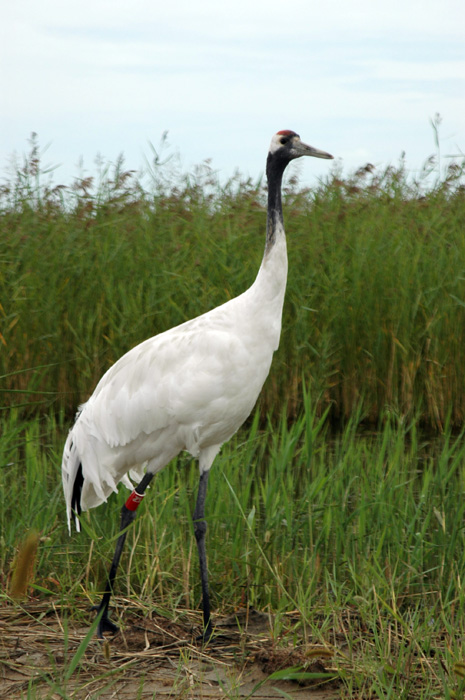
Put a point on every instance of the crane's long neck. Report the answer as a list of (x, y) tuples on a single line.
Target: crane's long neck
[(275, 223), (270, 284)]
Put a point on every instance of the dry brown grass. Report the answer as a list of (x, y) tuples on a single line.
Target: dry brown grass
[(154, 657)]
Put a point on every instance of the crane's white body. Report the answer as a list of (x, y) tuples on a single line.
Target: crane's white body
[(189, 388)]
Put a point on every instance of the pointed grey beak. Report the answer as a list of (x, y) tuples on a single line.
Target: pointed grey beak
[(302, 149)]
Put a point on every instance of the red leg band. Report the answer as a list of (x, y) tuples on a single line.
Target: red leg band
[(134, 500)]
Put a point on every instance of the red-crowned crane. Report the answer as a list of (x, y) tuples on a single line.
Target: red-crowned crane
[(189, 388)]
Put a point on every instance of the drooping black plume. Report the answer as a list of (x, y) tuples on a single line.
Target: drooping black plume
[(77, 490)]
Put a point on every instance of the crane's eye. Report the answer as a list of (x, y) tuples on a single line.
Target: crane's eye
[(284, 139)]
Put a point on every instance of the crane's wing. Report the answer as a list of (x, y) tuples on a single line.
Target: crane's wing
[(187, 378), (189, 388)]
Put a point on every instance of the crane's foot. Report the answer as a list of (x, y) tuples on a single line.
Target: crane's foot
[(206, 635), (105, 624), (211, 638)]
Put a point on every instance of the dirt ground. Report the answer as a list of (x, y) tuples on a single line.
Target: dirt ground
[(155, 658)]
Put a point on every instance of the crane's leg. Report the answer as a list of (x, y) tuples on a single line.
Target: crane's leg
[(200, 529), (128, 513)]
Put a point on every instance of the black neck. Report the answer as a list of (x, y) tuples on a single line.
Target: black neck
[(275, 167)]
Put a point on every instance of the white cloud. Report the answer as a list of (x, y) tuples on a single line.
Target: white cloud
[(354, 76)]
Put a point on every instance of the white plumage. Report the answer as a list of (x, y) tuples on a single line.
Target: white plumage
[(189, 388)]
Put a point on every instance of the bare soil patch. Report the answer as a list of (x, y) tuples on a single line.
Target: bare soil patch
[(153, 657)]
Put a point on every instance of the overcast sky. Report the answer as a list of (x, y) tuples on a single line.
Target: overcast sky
[(359, 78)]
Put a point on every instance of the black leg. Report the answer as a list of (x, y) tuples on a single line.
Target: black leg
[(200, 529), (128, 513)]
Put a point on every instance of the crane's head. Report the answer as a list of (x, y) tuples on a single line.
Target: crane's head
[(286, 145)]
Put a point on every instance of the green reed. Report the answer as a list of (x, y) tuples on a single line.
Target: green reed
[(309, 526), (375, 306)]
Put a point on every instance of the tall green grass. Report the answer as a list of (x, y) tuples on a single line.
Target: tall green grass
[(375, 308), (353, 537), (288, 511), (355, 541)]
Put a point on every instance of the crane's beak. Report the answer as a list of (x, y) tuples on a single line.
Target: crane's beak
[(302, 149)]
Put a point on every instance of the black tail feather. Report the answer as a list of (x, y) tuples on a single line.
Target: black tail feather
[(77, 490)]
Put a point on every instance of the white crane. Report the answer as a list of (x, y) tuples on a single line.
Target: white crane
[(189, 388)]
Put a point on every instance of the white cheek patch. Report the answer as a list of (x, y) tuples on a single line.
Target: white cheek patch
[(275, 143)]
